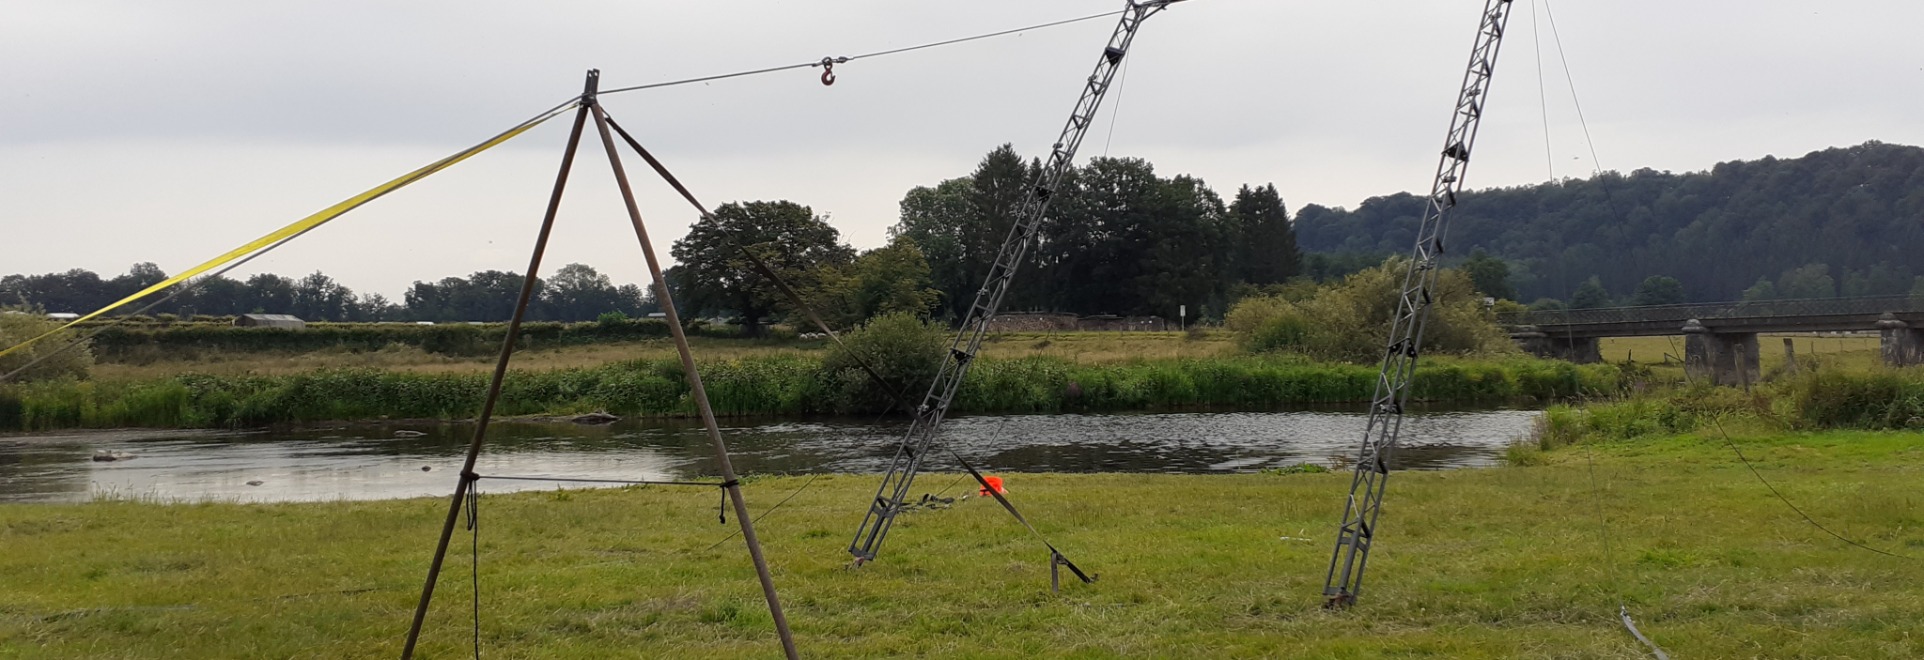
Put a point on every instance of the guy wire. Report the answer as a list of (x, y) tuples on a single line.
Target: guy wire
[(851, 58)]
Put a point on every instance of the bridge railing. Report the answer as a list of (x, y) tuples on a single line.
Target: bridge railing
[(1868, 305)]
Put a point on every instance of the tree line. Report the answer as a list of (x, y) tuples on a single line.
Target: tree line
[(1836, 222), (576, 292), (1118, 239), (1121, 238)]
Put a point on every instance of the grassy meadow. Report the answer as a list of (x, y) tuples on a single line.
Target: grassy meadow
[(1481, 563)]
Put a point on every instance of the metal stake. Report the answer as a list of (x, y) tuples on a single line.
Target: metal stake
[(695, 388), (501, 366)]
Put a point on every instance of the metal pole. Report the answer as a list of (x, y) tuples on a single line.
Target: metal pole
[(695, 388), (500, 368)]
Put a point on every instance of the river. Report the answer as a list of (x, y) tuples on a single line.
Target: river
[(369, 461)]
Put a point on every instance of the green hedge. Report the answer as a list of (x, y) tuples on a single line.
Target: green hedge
[(446, 339), (763, 385)]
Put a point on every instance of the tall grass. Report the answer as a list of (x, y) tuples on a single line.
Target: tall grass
[(780, 383), (1874, 399)]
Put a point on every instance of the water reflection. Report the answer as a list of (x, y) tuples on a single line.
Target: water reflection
[(371, 462)]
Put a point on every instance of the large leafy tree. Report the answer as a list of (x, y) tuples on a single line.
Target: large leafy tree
[(1268, 253), (577, 292), (136, 279), (1807, 281), (714, 276), (1491, 275), (1126, 241), (318, 297), (268, 293), (1590, 295), (960, 225), (1659, 290), (894, 278)]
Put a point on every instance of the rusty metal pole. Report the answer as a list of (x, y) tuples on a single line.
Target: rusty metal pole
[(695, 389), (468, 476)]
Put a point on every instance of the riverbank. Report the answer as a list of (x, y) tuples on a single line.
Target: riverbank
[(1499, 562), (779, 383)]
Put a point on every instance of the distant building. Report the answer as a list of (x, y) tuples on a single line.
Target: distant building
[(269, 321), (63, 316)]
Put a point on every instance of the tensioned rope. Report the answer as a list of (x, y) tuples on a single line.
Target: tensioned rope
[(831, 61), (282, 235), (1596, 494)]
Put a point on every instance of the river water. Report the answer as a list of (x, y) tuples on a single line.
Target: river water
[(369, 461)]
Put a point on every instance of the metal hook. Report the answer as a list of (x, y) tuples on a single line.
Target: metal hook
[(828, 71)]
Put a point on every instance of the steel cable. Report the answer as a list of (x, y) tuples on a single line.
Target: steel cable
[(1596, 496), (851, 58)]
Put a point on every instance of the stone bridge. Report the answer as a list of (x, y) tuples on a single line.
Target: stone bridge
[(1720, 339)]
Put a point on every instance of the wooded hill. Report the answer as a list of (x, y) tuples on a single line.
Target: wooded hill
[(1850, 219)]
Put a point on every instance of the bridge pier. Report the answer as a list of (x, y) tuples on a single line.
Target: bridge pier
[(1581, 350), (1902, 344), (1724, 358)]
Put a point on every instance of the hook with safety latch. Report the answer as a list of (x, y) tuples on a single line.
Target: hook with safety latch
[(828, 68)]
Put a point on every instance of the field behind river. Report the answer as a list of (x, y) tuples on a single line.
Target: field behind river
[(1497, 562)]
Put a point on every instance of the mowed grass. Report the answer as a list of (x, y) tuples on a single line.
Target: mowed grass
[(1500, 562)]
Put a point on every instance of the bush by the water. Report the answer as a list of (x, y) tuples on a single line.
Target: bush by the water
[(56, 359), (905, 351), (1351, 320), (782, 384), (1878, 399)]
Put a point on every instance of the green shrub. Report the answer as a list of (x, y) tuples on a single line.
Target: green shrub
[(902, 348), (1350, 320), (456, 340), (57, 356), (1880, 399)]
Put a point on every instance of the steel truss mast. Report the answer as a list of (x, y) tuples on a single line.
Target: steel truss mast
[(920, 438), (1358, 531)]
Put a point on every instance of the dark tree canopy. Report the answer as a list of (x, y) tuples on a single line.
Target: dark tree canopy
[(1268, 245), (960, 224), (1590, 295), (1118, 238), (1859, 210), (714, 277), (1490, 275), (1659, 290)]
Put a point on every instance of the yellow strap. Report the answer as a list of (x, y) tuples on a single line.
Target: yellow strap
[(299, 226)]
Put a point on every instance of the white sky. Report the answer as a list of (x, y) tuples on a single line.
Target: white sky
[(172, 132)]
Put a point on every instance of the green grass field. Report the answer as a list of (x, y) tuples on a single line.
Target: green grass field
[(1499, 562)]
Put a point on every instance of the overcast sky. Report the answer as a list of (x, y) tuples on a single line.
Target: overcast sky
[(173, 131)]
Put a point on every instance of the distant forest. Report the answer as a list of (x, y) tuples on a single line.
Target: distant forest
[(575, 292), (1837, 222), (1121, 238)]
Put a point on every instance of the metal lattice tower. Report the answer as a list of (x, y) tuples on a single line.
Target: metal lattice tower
[(1358, 532), (928, 417)]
